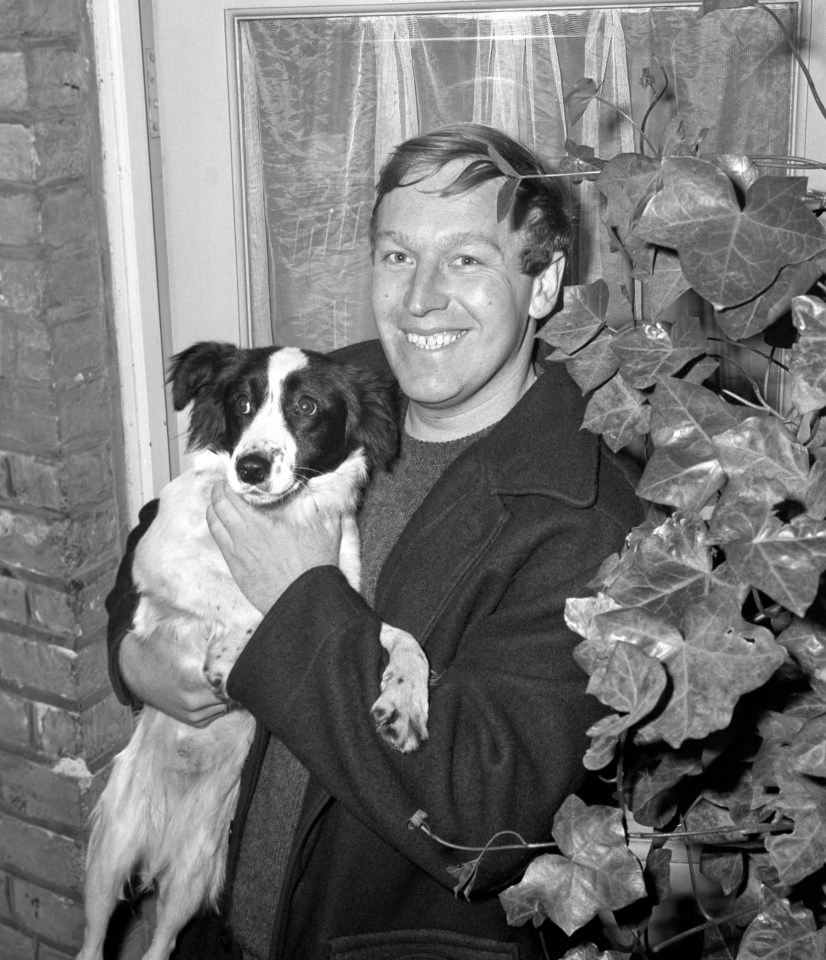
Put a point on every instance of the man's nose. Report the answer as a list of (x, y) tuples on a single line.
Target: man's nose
[(426, 292)]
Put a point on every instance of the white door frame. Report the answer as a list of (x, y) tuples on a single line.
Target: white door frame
[(134, 277)]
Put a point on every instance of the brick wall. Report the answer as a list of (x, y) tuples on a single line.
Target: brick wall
[(59, 723)]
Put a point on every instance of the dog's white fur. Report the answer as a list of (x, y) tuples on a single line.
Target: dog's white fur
[(167, 807)]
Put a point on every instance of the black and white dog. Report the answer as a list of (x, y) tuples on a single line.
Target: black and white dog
[(287, 429)]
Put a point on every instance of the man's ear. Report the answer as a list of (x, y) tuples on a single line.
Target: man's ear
[(545, 289)]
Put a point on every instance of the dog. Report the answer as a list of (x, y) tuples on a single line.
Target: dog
[(290, 430)]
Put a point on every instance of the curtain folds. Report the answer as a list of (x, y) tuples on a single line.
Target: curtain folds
[(324, 98)]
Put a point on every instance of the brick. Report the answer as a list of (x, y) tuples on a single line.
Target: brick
[(78, 347), (74, 283), (34, 481), (59, 78), (58, 794), (93, 672), (13, 83), (22, 285), (14, 719), (58, 547), (19, 218), (29, 415), (85, 410), (61, 147), (18, 156), (30, 352), (106, 727), (15, 945), (53, 610), (57, 732), (36, 851), (39, 18), (43, 667), (13, 601), (67, 216), (49, 915), (88, 475)]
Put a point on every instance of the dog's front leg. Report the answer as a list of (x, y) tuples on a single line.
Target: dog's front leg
[(400, 713)]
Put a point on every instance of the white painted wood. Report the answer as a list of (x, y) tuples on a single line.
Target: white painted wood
[(127, 194)]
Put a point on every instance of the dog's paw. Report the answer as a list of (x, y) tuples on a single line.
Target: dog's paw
[(216, 671), (400, 713)]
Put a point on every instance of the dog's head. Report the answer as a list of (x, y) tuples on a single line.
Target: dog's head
[(284, 415)]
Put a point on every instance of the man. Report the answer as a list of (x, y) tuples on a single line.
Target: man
[(499, 509)]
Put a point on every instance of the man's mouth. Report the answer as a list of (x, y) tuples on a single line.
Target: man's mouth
[(434, 341)]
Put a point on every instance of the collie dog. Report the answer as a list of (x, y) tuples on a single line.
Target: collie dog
[(290, 430)]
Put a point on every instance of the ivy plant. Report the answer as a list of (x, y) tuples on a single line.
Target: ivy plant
[(706, 636)]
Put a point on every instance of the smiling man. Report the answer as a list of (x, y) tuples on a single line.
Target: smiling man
[(498, 509)]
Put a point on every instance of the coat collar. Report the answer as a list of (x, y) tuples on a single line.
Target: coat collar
[(561, 460)]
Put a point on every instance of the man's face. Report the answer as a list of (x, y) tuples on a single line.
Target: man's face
[(455, 314)]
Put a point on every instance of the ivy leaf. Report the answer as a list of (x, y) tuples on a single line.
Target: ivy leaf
[(652, 785), (618, 412), (781, 931), (684, 470), (666, 284), (728, 254), (756, 315), (631, 683), (625, 181), (724, 867), (650, 352), (581, 318), (578, 99), (597, 871), (505, 198), (797, 854), (591, 366), (783, 560), (580, 159), (808, 749), (761, 450), (808, 362), (806, 642), (587, 951), (658, 873), (722, 658), (668, 569), (501, 163)]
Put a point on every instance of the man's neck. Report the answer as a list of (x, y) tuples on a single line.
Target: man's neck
[(440, 426)]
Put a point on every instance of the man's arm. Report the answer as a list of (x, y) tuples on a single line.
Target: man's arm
[(508, 713)]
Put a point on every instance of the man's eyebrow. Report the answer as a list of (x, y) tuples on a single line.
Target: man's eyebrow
[(457, 239)]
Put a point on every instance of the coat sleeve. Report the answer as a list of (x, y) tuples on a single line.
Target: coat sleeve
[(121, 603), (508, 712)]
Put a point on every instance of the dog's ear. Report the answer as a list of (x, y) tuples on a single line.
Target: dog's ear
[(196, 367), (375, 424)]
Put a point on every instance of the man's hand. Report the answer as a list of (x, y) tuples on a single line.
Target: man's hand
[(153, 670), (265, 554)]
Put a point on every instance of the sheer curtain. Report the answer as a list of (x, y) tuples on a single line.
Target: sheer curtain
[(326, 97)]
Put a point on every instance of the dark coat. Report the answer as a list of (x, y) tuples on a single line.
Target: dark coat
[(517, 524)]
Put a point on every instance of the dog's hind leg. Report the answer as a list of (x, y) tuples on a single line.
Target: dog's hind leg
[(188, 883), (113, 855)]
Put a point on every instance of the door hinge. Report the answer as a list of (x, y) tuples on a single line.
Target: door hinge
[(150, 77)]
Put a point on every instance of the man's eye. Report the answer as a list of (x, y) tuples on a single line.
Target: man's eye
[(306, 406), (242, 406), (465, 260), (396, 257)]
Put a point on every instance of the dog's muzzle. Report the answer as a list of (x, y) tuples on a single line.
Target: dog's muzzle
[(253, 468)]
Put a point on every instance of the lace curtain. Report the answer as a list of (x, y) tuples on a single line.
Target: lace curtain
[(326, 97)]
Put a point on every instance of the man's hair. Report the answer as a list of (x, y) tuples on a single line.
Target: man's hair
[(539, 205)]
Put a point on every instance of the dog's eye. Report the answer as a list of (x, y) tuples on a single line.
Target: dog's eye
[(242, 405), (306, 406)]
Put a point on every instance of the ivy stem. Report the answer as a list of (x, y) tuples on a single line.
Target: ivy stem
[(653, 104), (636, 126)]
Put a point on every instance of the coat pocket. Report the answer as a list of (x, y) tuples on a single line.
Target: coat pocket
[(419, 945)]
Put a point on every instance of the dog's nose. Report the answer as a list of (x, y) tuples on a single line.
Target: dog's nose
[(253, 468)]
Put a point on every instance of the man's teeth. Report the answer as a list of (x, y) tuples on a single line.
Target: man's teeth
[(435, 340)]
